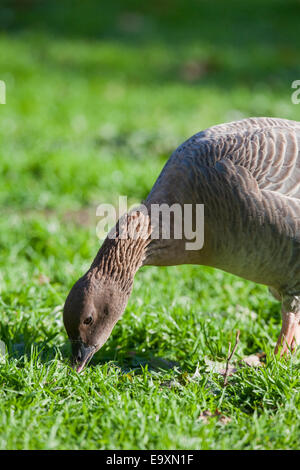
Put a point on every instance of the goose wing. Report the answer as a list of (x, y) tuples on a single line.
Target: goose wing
[(268, 148)]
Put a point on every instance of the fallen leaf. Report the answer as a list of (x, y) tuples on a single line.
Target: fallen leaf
[(253, 360), (206, 415), (231, 370), (219, 367), (43, 279), (224, 419)]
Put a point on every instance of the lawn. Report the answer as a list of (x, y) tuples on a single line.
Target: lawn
[(98, 97)]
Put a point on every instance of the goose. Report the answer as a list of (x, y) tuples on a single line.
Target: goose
[(246, 175)]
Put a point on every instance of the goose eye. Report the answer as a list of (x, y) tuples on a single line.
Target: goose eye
[(88, 320)]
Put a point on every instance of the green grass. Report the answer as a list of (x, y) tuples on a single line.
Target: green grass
[(96, 102)]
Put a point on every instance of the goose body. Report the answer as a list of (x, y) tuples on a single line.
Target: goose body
[(247, 176)]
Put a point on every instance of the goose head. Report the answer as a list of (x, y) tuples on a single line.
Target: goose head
[(97, 300), (91, 311)]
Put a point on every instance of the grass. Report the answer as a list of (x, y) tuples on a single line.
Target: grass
[(96, 102)]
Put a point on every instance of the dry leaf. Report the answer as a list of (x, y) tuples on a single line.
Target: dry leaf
[(231, 370), (224, 419), (253, 360), (206, 415), (219, 367), (43, 279)]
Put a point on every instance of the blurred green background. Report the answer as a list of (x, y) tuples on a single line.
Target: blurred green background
[(105, 86), (98, 95)]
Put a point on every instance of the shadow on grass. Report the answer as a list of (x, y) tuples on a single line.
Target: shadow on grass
[(25, 351), (129, 361), (45, 351)]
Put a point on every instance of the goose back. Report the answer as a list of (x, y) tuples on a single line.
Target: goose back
[(247, 175)]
